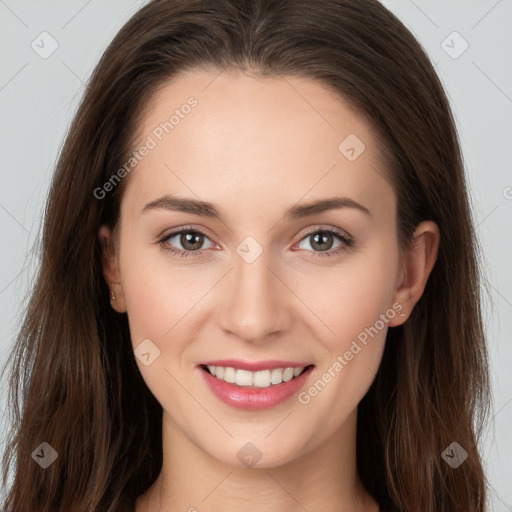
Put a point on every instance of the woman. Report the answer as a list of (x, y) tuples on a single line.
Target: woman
[(188, 344)]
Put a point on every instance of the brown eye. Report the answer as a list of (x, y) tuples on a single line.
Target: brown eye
[(191, 240), (323, 240), (185, 242)]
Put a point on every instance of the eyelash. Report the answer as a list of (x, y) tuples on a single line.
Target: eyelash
[(346, 242)]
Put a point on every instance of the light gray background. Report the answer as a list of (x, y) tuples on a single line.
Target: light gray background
[(38, 98)]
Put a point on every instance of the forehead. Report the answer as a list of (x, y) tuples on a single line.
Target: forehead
[(231, 105), (244, 136)]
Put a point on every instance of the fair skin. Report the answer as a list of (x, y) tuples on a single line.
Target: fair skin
[(256, 147)]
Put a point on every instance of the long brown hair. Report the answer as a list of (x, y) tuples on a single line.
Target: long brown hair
[(74, 380)]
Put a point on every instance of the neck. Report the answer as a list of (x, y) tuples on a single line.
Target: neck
[(192, 480)]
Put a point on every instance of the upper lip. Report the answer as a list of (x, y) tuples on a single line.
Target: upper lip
[(254, 366)]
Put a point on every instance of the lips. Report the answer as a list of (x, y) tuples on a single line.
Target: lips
[(254, 385)]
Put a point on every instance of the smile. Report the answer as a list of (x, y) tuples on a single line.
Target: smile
[(259, 379), (261, 388)]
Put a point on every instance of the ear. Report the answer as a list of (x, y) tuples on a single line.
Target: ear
[(111, 269), (417, 263)]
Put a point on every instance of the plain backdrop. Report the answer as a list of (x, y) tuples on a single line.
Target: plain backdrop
[(470, 43)]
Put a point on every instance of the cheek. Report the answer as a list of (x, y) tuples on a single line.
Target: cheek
[(351, 297), (161, 296), (356, 305)]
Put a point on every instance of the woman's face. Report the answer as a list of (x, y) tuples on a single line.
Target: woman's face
[(260, 278)]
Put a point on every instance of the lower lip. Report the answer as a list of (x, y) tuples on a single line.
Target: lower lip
[(254, 398)]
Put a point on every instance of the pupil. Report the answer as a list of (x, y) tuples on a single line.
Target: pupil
[(324, 237), (189, 240)]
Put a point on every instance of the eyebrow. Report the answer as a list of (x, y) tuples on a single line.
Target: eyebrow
[(206, 209)]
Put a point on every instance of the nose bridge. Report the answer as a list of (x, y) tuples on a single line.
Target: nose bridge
[(254, 304)]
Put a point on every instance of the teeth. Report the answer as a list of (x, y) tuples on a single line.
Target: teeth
[(259, 379), (288, 374), (243, 378), (230, 375), (276, 376)]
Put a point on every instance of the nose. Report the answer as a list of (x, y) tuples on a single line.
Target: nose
[(256, 302)]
